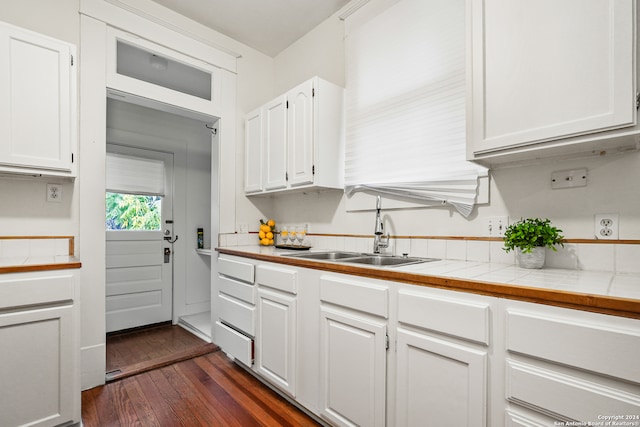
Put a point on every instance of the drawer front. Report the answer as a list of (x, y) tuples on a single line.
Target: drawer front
[(238, 314), (240, 290), (471, 320), (283, 279), (26, 289), (565, 396), (237, 269), (367, 297), (234, 343), (602, 348)]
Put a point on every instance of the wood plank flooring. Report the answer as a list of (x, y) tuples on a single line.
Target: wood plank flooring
[(134, 351), (208, 390)]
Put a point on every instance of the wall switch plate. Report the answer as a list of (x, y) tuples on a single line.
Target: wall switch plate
[(54, 193), (606, 226), (496, 225), (569, 178), (243, 228)]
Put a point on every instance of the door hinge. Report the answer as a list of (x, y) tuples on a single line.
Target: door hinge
[(286, 176), (313, 92), (72, 60), (313, 170), (637, 100), (387, 342), (71, 157), (287, 104)]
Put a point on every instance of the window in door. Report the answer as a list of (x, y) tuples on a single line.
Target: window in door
[(132, 212)]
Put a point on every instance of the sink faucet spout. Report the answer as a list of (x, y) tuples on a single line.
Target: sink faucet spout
[(379, 239)]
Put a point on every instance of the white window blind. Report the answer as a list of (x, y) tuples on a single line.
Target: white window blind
[(134, 175), (405, 103)]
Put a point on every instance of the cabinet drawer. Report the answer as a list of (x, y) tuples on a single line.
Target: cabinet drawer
[(581, 341), (570, 397), (30, 289), (238, 314), (276, 278), (234, 343), (362, 296), (237, 269), (241, 290), (471, 320)]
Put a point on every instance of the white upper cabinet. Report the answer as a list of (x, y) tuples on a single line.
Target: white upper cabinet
[(38, 103), (301, 143), (542, 73)]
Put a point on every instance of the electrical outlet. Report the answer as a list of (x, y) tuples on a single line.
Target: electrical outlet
[(54, 193), (496, 225), (606, 226)]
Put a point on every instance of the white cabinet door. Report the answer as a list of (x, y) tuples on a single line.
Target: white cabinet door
[(37, 369), (545, 70), (300, 134), (253, 152), (275, 144), (439, 382), (276, 339), (353, 369), (37, 102)]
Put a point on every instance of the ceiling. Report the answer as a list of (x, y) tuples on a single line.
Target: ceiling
[(268, 26)]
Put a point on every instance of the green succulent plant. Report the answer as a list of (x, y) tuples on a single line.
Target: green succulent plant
[(529, 233)]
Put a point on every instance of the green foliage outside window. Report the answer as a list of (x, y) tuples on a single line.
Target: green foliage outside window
[(132, 212)]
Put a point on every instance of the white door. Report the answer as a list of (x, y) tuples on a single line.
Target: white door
[(139, 264), (275, 143), (276, 339), (353, 369), (439, 383), (300, 134)]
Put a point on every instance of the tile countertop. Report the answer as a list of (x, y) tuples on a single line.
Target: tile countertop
[(17, 264), (597, 291)]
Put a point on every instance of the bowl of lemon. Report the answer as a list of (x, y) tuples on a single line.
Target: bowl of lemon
[(267, 232)]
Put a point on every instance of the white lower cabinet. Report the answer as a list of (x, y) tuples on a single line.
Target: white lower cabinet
[(353, 351), (276, 337), (353, 370), (571, 365), (39, 350), (439, 383), (441, 359), (356, 351), (235, 328)]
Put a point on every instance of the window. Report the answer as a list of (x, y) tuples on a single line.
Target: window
[(132, 212), (135, 187), (405, 104)]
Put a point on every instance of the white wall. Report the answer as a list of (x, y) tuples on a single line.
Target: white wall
[(515, 191)]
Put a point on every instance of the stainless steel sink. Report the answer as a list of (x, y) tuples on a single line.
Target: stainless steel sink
[(329, 256), (361, 258), (387, 261)]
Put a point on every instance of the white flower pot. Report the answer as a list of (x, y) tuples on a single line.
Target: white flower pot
[(533, 259)]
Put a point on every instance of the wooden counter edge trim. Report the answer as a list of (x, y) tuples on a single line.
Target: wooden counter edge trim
[(473, 238), (616, 306), (40, 267)]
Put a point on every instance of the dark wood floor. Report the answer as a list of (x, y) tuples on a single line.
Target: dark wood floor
[(208, 390), (139, 350)]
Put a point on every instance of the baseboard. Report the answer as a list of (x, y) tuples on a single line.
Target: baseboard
[(93, 363)]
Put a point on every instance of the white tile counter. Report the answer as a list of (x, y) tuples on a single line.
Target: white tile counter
[(600, 291)]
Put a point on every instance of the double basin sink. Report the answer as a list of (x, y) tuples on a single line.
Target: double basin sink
[(362, 258)]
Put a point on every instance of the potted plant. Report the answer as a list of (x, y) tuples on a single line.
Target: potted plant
[(530, 237)]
